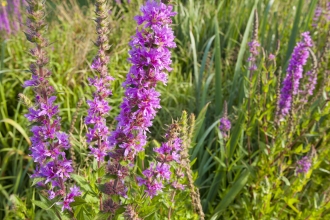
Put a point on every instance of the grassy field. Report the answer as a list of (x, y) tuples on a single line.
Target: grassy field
[(249, 174)]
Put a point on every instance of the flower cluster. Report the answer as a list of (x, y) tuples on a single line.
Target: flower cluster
[(48, 142), (69, 198), (224, 126), (328, 10), (304, 165), (294, 74), (159, 172), (253, 45), (317, 14), (99, 106), (309, 86), (10, 16), (150, 57)]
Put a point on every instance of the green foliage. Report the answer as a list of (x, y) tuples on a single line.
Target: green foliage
[(250, 174)]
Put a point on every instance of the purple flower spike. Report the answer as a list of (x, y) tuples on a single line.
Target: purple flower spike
[(271, 57), (294, 74), (48, 141), (225, 125), (253, 45), (150, 58), (98, 132), (10, 16), (304, 165), (317, 14)]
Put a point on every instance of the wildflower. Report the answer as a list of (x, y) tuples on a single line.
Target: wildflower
[(294, 74), (48, 142), (304, 165), (225, 124), (271, 57), (151, 58), (317, 14), (99, 108), (4, 18), (10, 16), (159, 173)]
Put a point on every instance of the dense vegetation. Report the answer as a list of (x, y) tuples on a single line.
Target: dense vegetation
[(252, 171)]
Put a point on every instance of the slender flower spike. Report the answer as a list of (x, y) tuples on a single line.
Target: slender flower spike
[(99, 107), (304, 165), (294, 74), (48, 142), (151, 58), (317, 14), (10, 16), (4, 17), (225, 124), (253, 45)]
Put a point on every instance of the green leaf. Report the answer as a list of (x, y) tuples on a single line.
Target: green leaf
[(231, 194), (199, 122), (41, 204), (18, 127), (37, 180)]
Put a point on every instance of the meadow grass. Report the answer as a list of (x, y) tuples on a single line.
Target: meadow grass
[(248, 175)]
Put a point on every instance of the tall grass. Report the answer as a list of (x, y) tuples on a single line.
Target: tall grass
[(250, 174)]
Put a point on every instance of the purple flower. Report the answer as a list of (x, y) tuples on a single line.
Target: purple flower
[(155, 14), (294, 74), (10, 16), (317, 14), (99, 108), (253, 45), (168, 153), (304, 165), (150, 58), (5, 18), (48, 141), (225, 124), (74, 191), (271, 56), (177, 185)]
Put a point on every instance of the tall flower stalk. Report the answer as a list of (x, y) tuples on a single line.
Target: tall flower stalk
[(48, 141), (150, 58), (10, 16), (294, 74), (99, 108), (4, 18)]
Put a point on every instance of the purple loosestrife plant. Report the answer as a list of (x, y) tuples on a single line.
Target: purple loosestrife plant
[(304, 165), (295, 70), (99, 107), (328, 11), (4, 18), (317, 14), (48, 141), (253, 45), (150, 58), (160, 172), (10, 16)]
